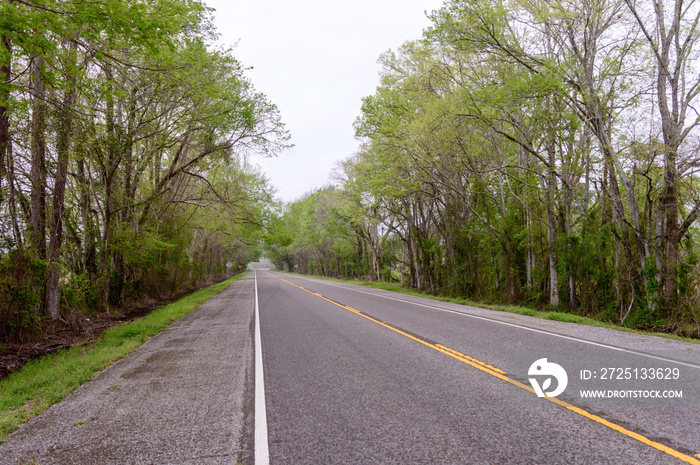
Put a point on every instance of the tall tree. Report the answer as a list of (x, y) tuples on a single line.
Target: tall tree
[(671, 32)]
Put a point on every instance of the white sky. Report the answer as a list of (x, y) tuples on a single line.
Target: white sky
[(315, 60)]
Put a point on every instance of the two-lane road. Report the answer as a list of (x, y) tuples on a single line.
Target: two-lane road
[(354, 375)]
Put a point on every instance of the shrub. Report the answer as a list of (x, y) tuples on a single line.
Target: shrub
[(21, 285)]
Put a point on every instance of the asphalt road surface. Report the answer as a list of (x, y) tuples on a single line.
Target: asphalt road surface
[(362, 376), (354, 375)]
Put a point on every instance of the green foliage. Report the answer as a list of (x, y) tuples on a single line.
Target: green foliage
[(502, 159), (21, 277), (79, 293), (155, 128)]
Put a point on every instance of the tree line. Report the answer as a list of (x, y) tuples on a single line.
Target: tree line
[(125, 138), (536, 152)]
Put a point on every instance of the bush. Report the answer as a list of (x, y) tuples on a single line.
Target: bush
[(78, 293), (21, 285)]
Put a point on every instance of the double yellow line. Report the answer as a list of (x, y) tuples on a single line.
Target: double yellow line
[(500, 374)]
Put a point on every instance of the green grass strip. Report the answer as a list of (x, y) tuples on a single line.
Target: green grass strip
[(44, 381)]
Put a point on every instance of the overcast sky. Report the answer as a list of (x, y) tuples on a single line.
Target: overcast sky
[(315, 60)]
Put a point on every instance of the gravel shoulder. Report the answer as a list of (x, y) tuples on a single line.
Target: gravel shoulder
[(180, 398)]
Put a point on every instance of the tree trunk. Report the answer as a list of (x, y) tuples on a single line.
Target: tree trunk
[(530, 258), (89, 259), (109, 169), (5, 76), (13, 195), (38, 160), (64, 133), (552, 229), (553, 273), (672, 38)]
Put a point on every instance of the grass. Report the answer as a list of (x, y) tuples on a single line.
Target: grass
[(547, 315), (44, 381)]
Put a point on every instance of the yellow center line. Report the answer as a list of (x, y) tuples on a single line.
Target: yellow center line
[(500, 374)]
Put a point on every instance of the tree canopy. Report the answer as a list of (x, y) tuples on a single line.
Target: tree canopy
[(529, 152), (125, 144)]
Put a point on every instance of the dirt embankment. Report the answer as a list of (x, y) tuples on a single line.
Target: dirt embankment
[(77, 329)]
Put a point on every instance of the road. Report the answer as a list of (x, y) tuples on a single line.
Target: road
[(352, 375), (362, 376)]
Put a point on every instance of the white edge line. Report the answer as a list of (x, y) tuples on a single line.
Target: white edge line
[(435, 307), (262, 449)]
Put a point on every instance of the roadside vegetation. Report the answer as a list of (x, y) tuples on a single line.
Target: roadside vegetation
[(125, 140), (47, 380), (543, 154)]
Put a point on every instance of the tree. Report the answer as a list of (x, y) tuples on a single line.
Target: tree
[(123, 140), (515, 146), (672, 36)]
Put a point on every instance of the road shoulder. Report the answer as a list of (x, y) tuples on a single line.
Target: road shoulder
[(178, 398)]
